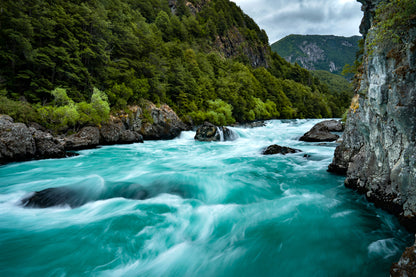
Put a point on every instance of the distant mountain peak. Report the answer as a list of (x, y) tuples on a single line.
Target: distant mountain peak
[(318, 52)]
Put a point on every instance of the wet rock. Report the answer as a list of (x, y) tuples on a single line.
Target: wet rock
[(88, 137), (406, 266), (321, 132), (210, 132), (78, 196), (277, 149), (16, 141), (254, 124), (60, 196)]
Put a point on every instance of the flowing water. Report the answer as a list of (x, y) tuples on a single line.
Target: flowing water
[(217, 209)]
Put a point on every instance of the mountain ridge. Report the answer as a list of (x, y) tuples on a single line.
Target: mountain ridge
[(318, 52)]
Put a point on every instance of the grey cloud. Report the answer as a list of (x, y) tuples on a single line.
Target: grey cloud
[(280, 17)]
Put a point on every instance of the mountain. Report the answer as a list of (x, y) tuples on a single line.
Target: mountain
[(69, 63), (316, 52)]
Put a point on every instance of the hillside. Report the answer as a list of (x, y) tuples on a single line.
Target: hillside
[(69, 63), (317, 52)]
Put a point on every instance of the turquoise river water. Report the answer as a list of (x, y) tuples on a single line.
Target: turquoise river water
[(223, 210)]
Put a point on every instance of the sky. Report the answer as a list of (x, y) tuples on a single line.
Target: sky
[(306, 17)]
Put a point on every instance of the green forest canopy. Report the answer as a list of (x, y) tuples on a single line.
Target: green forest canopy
[(124, 51)]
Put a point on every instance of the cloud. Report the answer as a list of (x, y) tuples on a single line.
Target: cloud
[(326, 17)]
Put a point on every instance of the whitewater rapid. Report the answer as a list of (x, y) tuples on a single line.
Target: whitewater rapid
[(236, 213)]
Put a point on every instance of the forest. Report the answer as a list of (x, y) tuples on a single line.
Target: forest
[(73, 63)]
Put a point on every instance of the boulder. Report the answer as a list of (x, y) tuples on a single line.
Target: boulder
[(210, 132), (155, 123), (321, 132), (60, 196), (333, 125), (16, 141), (47, 146), (277, 149), (88, 137), (116, 133)]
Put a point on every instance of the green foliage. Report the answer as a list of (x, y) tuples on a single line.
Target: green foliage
[(393, 20), (18, 110), (68, 114), (218, 112), (55, 55)]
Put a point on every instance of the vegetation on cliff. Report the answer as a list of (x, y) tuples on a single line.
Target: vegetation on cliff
[(205, 59)]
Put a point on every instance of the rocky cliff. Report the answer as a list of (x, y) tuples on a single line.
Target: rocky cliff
[(378, 152), (378, 149)]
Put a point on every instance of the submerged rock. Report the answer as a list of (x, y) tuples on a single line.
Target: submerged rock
[(61, 196), (277, 149), (210, 132), (322, 131), (78, 196)]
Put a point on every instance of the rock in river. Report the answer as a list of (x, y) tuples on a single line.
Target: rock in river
[(277, 149), (322, 131), (210, 132)]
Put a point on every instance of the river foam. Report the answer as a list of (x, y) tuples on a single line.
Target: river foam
[(212, 209)]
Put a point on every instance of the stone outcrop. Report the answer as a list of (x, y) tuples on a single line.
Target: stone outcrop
[(47, 146), (210, 132), (378, 149), (115, 133), (155, 123), (87, 137), (277, 149), (322, 131), (16, 140)]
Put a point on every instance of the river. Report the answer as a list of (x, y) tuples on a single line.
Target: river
[(217, 209)]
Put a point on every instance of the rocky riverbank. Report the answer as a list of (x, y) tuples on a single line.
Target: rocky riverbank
[(20, 142)]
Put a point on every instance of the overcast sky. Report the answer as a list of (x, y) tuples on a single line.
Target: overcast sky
[(313, 17)]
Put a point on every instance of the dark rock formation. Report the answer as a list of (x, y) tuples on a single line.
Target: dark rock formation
[(210, 132), (116, 133), (88, 137), (155, 123), (406, 266), (253, 124), (78, 196), (16, 141), (277, 149), (322, 131), (61, 196), (47, 146)]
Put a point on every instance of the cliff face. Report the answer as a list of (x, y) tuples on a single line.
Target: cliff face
[(378, 152)]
